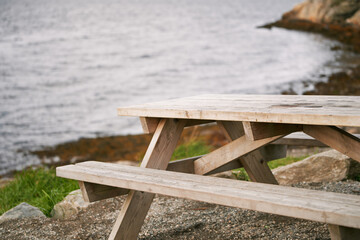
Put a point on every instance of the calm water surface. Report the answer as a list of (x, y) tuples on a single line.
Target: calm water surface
[(66, 65)]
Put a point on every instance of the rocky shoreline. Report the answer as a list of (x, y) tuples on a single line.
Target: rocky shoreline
[(339, 20)]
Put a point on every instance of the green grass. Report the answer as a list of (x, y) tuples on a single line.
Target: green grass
[(40, 188), (284, 161), (191, 149), (242, 175)]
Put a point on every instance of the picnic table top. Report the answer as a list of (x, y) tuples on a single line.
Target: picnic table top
[(293, 109)]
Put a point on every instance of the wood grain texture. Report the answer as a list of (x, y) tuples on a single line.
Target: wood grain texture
[(253, 163), (228, 153), (94, 192), (304, 109), (256, 131), (104, 166), (149, 124), (158, 154), (327, 207), (336, 138)]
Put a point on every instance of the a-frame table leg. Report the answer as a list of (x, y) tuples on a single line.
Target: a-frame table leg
[(254, 164), (137, 204)]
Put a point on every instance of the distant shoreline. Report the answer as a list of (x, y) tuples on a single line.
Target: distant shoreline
[(307, 17)]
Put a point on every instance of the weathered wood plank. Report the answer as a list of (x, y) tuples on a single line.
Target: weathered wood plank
[(137, 204), (183, 165), (253, 163), (343, 233), (93, 192), (149, 124), (256, 131), (228, 153), (281, 200), (232, 130), (336, 138), (186, 165), (193, 177), (314, 110)]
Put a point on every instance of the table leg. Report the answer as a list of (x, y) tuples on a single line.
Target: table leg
[(137, 204), (343, 233), (254, 163), (336, 138)]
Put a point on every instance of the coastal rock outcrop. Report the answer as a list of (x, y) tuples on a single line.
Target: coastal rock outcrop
[(326, 11), (323, 167), (337, 19), (355, 19), (23, 210)]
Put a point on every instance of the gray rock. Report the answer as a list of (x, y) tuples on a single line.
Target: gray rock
[(23, 210), (70, 206), (323, 167)]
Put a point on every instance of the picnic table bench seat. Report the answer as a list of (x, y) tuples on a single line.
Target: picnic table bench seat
[(250, 123), (326, 207)]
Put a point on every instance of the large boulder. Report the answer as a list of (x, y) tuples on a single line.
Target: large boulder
[(323, 167), (23, 210), (324, 11), (70, 206), (355, 19)]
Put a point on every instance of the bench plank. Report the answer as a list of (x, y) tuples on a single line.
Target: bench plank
[(332, 208), (95, 192), (320, 195), (304, 109)]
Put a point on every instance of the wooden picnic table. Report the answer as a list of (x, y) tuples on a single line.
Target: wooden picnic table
[(249, 122)]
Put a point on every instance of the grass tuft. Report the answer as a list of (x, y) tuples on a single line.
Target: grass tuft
[(191, 149), (242, 175), (40, 188)]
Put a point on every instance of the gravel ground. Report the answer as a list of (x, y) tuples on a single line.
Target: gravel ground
[(172, 218)]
